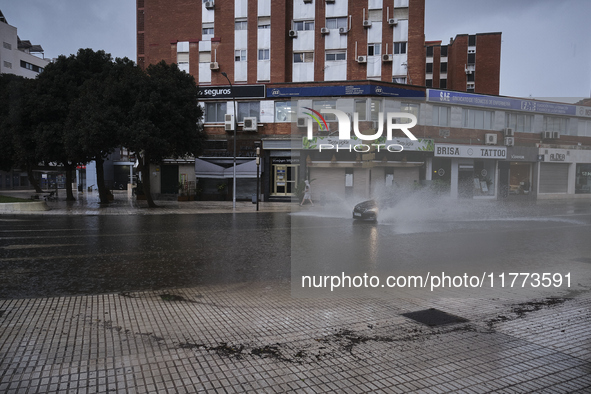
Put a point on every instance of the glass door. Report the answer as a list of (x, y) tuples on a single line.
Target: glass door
[(285, 178)]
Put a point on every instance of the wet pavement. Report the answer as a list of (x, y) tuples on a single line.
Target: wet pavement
[(199, 299)]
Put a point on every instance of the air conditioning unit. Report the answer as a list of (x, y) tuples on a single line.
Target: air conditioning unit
[(490, 139), (209, 5), (214, 66), (229, 122), (250, 124), (509, 132), (366, 23), (468, 70), (547, 134), (324, 30), (343, 30), (393, 22), (387, 58), (509, 141), (361, 59), (293, 33), (302, 122)]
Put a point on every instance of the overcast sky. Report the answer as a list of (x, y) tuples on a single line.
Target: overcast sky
[(546, 48)]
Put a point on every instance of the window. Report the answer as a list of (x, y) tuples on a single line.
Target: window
[(7, 64), (215, 112), (30, 66), (411, 108), (249, 109), (283, 111), (204, 57), (441, 115), (443, 83), (7, 45), (584, 128), (264, 54), (375, 107), (444, 51), (399, 80), (429, 51), (470, 77), (471, 41), (399, 48), (443, 67), (207, 31), (361, 109), (374, 49), (303, 25), (326, 104), (375, 15), (471, 58), (429, 68), (519, 122), (265, 26), (429, 83), (240, 55), (336, 23), (303, 57), (477, 119), (553, 123), (331, 57), (264, 22), (241, 25)]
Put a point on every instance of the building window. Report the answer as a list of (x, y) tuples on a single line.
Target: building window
[(30, 66), (471, 58), (303, 25), (443, 67), (215, 112), (264, 22), (399, 80), (336, 23), (334, 56), (264, 54), (241, 25), (265, 26), (441, 115), (6, 45), (553, 123), (411, 108), (470, 77), (443, 83), (444, 51), (429, 51), (375, 107), (584, 128), (477, 119), (429, 68), (249, 109), (399, 48), (374, 49), (7, 64), (472, 41), (204, 57), (429, 83), (303, 57), (240, 55), (361, 109), (519, 122), (283, 111), (319, 105), (207, 31)]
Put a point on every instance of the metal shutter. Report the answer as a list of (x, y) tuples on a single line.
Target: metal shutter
[(553, 178)]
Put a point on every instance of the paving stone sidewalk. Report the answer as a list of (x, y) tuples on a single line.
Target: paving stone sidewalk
[(257, 338)]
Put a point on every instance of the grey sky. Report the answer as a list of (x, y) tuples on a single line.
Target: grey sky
[(546, 51)]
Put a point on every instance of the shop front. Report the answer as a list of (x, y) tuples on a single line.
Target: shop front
[(564, 173), (517, 174), (473, 169)]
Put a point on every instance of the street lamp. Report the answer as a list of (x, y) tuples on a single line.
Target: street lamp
[(235, 127)]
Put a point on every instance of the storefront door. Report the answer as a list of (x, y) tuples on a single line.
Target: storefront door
[(285, 178)]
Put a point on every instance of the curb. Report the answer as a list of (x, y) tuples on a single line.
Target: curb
[(17, 207)]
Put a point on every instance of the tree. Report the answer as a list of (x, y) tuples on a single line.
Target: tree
[(61, 87), (17, 102), (165, 119)]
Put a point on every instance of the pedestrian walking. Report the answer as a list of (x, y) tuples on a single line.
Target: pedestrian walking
[(307, 194)]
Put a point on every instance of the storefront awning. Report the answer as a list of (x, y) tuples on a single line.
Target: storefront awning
[(206, 169)]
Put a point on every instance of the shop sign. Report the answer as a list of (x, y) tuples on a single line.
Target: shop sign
[(557, 157), (478, 100), (344, 90), (227, 92), (285, 160), (423, 145), (584, 111), (471, 151)]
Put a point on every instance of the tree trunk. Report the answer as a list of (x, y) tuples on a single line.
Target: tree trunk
[(69, 178), (100, 181), (32, 179), (146, 181)]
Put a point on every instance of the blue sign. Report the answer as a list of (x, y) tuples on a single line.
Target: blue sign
[(344, 90), (478, 100)]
